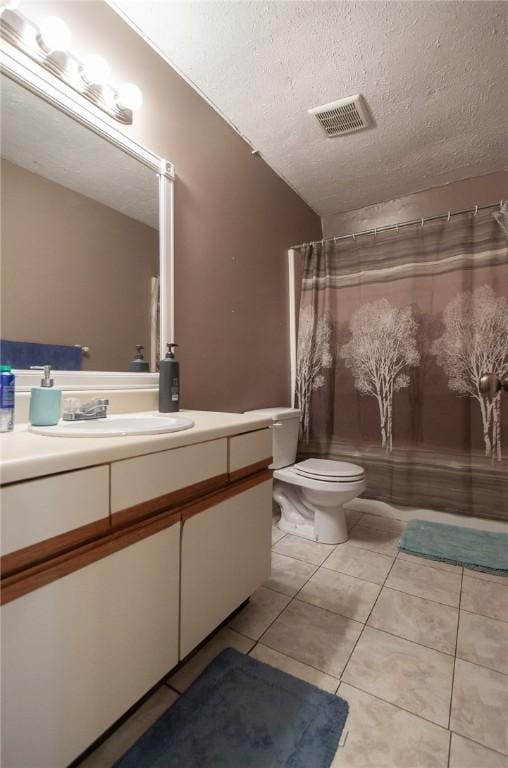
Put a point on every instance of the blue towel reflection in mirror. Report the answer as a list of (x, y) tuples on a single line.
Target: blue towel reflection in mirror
[(23, 354)]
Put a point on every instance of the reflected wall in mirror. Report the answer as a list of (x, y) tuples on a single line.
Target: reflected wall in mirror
[(80, 242)]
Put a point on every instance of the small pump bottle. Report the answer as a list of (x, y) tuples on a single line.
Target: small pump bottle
[(139, 364), (45, 400), (169, 382)]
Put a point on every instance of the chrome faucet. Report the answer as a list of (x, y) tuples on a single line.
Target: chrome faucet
[(74, 410)]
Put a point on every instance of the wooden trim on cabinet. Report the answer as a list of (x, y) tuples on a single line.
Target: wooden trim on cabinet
[(238, 474), (40, 575), (167, 501), (226, 493), (56, 545), (124, 531)]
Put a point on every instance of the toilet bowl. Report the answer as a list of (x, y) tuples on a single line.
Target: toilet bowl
[(310, 493)]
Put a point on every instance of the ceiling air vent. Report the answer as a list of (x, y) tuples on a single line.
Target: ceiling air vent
[(343, 116)]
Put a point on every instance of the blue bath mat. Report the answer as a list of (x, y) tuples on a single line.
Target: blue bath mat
[(480, 550), (241, 713)]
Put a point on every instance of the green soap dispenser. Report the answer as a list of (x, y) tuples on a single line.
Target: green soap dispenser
[(169, 382), (139, 364), (44, 400)]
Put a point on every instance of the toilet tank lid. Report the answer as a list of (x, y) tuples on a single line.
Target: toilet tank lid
[(278, 413)]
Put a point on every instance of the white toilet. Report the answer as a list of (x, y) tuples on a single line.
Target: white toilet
[(310, 493)]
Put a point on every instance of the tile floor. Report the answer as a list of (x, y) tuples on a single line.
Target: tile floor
[(419, 650)]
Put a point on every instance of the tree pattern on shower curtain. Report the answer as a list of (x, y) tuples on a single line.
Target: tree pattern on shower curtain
[(314, 355), (475, 342), (382, 347), (395, 331)]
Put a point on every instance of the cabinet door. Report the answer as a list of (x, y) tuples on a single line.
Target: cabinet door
[(225, 558), (40, 509), (77, 653)]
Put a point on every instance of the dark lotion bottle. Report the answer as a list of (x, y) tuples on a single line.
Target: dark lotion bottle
[(139, 364), (169, 382)]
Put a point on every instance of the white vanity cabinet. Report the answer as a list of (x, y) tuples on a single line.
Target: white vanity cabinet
[(113, 573), (78, 652), (225, 557)]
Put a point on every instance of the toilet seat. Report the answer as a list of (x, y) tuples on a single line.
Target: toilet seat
[(329, 470)]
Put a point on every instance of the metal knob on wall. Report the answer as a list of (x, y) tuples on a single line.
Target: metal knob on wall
[(491, 384)]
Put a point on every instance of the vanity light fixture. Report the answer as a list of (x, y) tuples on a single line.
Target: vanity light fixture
[(49, 44)]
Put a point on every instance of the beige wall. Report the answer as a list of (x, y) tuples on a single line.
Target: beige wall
[(234, 221), (430, 202), (74, 271)]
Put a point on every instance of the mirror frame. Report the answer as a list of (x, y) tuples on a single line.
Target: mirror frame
[(21, 69)]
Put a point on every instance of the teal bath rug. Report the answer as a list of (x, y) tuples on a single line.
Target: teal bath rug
[(241, 713), (480, 550)]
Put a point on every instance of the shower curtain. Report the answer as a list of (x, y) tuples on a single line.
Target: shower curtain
[(394, 331)]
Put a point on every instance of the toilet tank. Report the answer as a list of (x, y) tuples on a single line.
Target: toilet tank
[(285, 428)]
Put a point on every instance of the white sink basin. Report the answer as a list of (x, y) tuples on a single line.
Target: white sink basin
[(119, 426)]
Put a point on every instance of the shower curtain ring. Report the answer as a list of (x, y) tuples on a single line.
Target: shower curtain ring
[(375, 231), (354, 236), (397, 228), (475, 210), (422, 223), (449, 216)]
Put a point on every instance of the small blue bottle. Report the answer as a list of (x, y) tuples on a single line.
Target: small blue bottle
[(7, 391), (45, 400)]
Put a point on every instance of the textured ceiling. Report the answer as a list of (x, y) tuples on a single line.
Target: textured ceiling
[(40, 138), (433, 75)]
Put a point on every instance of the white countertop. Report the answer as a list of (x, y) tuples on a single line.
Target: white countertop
[(25, 455)]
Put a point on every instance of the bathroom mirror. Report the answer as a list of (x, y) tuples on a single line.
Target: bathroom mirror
[(84, 249)]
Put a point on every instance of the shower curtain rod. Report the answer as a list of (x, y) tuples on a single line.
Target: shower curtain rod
[(403, 224)]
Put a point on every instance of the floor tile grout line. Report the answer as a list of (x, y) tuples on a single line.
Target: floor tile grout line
[(365, 623), (380, 699), (454, 663), (291, 598), (485, 616), (297, 595), (345, 573), (351, 575), (363, 629), (294, 597), (427, 562), (483, 666), (370, 549), (479, 744), (300, 559), (409, 640), (397, 589), (419, 597), (398, 706), (299, 661), (473, 574)]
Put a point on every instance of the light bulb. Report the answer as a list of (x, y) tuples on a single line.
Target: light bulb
[(130, 96), (96, 70), (55, 34)]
